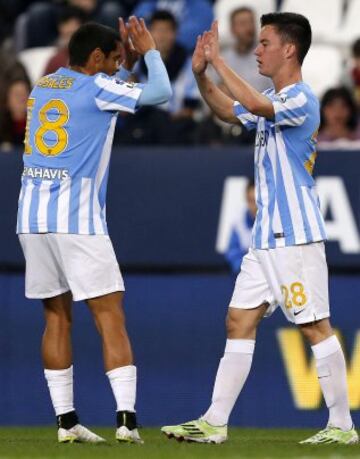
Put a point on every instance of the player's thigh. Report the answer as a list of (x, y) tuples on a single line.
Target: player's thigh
[(298, 276), (90, 265), (44, 276), (251, 287)]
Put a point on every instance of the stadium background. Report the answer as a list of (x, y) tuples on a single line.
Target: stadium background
[(169, 212)]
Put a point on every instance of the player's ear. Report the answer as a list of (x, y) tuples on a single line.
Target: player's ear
[(96, 60), (98, 56), (290, 50)]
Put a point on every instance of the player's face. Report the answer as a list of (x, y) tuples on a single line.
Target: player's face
[(112, 62), (271, 51)]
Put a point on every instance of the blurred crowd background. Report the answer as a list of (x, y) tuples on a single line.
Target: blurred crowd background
[(34, 37)]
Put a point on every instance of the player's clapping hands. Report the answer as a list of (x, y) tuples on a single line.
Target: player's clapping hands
[(199, 63), (211, 43), (131, 55), (207, 49), (139, 35)]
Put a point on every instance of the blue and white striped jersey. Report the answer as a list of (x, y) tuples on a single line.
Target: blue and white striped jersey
[(70, 126), (285, 152)]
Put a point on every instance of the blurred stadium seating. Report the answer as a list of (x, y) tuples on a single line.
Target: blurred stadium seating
[(323, 60), (35, 60), (323, 30)]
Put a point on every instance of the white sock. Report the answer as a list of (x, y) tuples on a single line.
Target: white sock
[(232, 373), (60, 384), (123, 384), (331, 369)]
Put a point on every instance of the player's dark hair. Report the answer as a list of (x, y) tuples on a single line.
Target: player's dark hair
[(89, 37), (345, 95), (242, 9), (163, 15), (293, 28)]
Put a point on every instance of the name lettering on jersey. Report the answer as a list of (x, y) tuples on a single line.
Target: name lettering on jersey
[(262, 138), (302, 374), (55, 82), (46, 173)]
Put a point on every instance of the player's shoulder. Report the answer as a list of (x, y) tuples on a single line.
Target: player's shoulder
[(101, 77), (113, 85), (300, 90)]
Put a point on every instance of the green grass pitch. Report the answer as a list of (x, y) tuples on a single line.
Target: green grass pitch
[(40, 443)]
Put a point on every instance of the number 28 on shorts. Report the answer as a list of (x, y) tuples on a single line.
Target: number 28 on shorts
[(294, 295)]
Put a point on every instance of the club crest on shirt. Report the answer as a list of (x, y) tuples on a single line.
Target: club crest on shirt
[(283, 97), (128, 84)]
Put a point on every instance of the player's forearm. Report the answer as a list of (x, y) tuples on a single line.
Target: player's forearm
[(157, 90), (220, 103), (243, 92)]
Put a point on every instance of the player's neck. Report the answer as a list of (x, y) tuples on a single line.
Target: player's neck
[(84, 70), (283, 79)]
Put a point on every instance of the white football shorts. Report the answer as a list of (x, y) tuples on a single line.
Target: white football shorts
[(56, 263), (294, 278)]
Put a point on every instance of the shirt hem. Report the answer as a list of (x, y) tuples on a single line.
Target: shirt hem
[(284, 244), (46, 231)]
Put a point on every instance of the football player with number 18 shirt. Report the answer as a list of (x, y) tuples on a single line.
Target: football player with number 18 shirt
[(62, 214)]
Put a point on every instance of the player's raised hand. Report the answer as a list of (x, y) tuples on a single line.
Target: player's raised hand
[(199, 62), (211, 43), (131, 55), (139, 35)]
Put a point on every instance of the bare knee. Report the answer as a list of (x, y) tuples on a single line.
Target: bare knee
[(239, 325), (107, 313), (58, 315), (316, 332)]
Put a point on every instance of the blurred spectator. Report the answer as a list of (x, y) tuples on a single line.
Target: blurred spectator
[(355, 71), (13, 114), (9, 10), (240, 56), (186, 98), (240, 239), (69, 20), (193, 17), (147, 126), (106, 12), (36, 27), (10, 68), (339, 119)]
